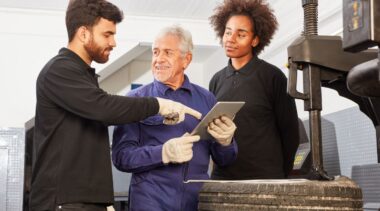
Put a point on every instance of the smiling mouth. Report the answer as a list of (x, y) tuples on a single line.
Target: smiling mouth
[(161, 67), (108, 51), (229, 48)]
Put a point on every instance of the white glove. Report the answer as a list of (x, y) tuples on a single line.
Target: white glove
[(222, 129), (178, 150), (174, 112)]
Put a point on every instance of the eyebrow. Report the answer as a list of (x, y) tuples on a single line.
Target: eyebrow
[(165, 49), (239, 30), (109, 32)]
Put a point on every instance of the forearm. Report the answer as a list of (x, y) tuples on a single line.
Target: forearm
[(81, 96), (289, 133), (137, 159), (224, 155)]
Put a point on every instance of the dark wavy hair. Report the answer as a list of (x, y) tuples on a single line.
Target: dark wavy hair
[(88, 13), (261, 15)]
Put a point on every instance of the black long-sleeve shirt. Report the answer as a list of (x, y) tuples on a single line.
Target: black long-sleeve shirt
[(267, 125), (71, 146)]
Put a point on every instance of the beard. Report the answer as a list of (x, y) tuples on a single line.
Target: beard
[(162, 77), (96, 52)]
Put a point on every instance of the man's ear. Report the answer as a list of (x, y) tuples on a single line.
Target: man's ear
[(82, 34), (188, 58), (255, 41)]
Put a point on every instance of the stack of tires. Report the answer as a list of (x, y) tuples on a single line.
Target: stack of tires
[(299, 194)]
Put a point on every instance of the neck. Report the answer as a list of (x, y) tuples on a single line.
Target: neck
[(80, 51), (238, 63), (176, 83)]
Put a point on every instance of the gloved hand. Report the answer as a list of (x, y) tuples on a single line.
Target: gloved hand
[(174, 112), (179, 150), (222, 129)]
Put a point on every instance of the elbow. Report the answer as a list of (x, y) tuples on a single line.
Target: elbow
[(120, 162)]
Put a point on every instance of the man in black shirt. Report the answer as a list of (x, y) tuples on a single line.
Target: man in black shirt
[(72, 165), (267, 126)]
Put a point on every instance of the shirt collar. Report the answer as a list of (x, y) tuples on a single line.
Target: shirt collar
[(162, 88), (76, 57), (245, 70)]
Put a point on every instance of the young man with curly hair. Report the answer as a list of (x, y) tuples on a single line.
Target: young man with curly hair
[(267, 126)]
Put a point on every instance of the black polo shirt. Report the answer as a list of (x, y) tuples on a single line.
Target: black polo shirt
[(267, 125), (71, 147)]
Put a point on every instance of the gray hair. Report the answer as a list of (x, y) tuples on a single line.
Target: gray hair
[(186, 41)]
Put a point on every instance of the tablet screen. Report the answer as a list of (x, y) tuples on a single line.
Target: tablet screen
[(228, 109)]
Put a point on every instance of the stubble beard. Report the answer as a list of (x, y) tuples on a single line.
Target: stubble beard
[(96, 53)]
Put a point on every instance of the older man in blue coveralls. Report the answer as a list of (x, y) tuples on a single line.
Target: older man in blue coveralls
[(161, 157)]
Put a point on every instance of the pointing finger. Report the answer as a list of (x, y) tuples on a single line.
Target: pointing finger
[(192, 112)]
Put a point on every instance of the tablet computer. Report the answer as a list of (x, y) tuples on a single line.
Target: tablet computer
[(228, 109)]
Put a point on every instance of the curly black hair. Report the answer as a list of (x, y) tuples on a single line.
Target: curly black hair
[(88, 13), (261, 15)]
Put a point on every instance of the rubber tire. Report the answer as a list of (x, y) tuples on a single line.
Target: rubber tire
[(339, 194)]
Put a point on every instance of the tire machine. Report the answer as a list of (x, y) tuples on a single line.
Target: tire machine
[(346, 66)]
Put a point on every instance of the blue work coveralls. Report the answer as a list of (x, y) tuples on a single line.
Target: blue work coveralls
[(137, 148)]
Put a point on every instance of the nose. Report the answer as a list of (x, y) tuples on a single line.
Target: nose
[(232, 37), (159, 57), (112, 42)]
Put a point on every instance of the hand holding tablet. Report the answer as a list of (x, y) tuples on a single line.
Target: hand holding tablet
[(222, 129)]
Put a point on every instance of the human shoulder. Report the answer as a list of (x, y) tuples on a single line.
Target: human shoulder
[(220, 74), (271, 70), (201, 89), (63, 65), (209, 96), (141, 91)]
